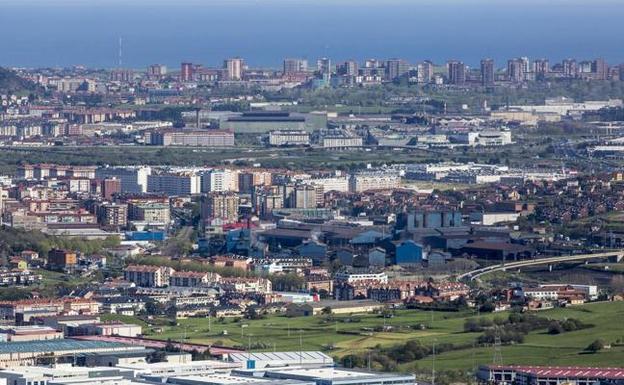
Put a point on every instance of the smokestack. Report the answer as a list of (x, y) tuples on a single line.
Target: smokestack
[(197, 118)]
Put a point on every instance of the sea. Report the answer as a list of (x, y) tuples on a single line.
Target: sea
[(137, 33)]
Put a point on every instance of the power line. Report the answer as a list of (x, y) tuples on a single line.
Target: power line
[(498, 353)]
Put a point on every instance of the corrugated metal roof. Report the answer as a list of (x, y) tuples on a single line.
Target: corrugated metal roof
[(281, 356), (55, 346)]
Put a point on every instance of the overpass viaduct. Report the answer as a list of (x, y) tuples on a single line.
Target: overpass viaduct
[(616, 255)]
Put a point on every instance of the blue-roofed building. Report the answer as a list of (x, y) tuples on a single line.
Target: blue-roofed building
[(409, 253), (345, 257), (369, 237), (238, 241), (26, 353), (149, 236), (377, 257), (314, 250)]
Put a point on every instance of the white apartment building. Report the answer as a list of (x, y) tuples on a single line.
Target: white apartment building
[(361, 277), (379, 180), (541, 293), (219, 181), (484, 138), (174, 184), (340, 183), (133, 179)]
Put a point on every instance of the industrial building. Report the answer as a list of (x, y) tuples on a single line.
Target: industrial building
[(203, 138), (289, 138), (14, 354), (266, 121), (548, 375)]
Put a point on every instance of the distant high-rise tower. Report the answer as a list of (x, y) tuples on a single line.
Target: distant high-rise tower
[(234, 68), (541, 68), (570, 69), (186, 72), (526, 64), (349, 68), (293, 66), (121, 75), (323, 66), (515, 70), (221, 206), (456, 72), (371, 63), (600, 69), (424, 72), (487, 72), (109, 187), (156, 70), (395, 68)]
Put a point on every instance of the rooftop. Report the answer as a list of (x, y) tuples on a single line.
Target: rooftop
[(281, 356), (57, 346), (566, 371)]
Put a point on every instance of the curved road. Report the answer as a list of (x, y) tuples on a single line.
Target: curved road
[(540, 261)]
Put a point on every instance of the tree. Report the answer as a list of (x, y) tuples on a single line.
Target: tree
[(157, 356), (487, 307), (252, 313), (287, 282), (353, 361), (555, 328), (171, 347), (153, 308), (596, 346), (472, 325)]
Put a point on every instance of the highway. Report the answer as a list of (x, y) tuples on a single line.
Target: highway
[(539, 261)]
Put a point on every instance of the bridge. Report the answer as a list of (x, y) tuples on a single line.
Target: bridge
[(474, 274)]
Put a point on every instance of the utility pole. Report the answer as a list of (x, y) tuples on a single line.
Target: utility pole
[(433, 373), (300, 347), (120, 52), (248, 348)]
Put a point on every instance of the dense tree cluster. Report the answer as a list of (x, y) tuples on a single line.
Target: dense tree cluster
[(567, 325), (14, 240)]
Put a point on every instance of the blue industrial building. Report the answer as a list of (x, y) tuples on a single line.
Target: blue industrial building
[(409, 252)]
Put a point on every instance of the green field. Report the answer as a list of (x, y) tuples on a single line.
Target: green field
[(292, 158), (316, 333), (541, 348)]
